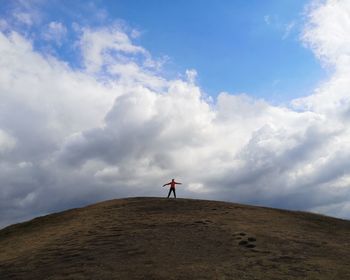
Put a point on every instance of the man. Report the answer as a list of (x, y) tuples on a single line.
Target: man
[(172, 187)]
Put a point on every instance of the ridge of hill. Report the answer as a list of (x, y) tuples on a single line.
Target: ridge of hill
[(157, 238)]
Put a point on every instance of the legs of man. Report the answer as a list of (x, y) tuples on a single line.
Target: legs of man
[(172, 190), (169, 192)]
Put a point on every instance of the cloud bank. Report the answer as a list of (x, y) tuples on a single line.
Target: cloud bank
[(114, 126)]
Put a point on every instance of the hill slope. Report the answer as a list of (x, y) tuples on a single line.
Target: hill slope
[(155, 238)]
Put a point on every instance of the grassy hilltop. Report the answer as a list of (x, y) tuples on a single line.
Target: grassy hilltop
[(156, 238)]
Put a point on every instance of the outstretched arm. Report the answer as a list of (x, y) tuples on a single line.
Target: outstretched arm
[(166, 184), (178, 183)]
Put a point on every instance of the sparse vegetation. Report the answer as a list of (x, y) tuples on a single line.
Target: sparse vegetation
[(154, 238)]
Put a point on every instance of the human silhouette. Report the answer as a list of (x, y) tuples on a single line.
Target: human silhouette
[(172, 187)]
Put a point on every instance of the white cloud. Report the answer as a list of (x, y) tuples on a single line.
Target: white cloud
[(68, 137), (130, 73), (42, 96), (191, 75), (24, 18), (135, 33), (104, 46), (23, 15), (288, 29), (327, 32), (56, 31)]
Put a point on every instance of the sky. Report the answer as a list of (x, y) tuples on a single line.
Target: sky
[(242, 102)]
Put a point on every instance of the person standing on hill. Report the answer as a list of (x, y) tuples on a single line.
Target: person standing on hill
[(172, 187)]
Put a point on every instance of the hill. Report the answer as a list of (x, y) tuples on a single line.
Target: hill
[(156, 238)]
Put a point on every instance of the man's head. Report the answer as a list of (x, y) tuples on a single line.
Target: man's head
[(172, 180)]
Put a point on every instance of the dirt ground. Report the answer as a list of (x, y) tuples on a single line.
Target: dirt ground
[(156, 238)]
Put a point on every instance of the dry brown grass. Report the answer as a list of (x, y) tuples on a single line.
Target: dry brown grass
[(155, 238)]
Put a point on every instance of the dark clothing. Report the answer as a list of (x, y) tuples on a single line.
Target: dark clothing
[(172, 190)]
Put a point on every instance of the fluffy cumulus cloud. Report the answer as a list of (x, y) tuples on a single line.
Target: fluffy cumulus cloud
[(116, 127)]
